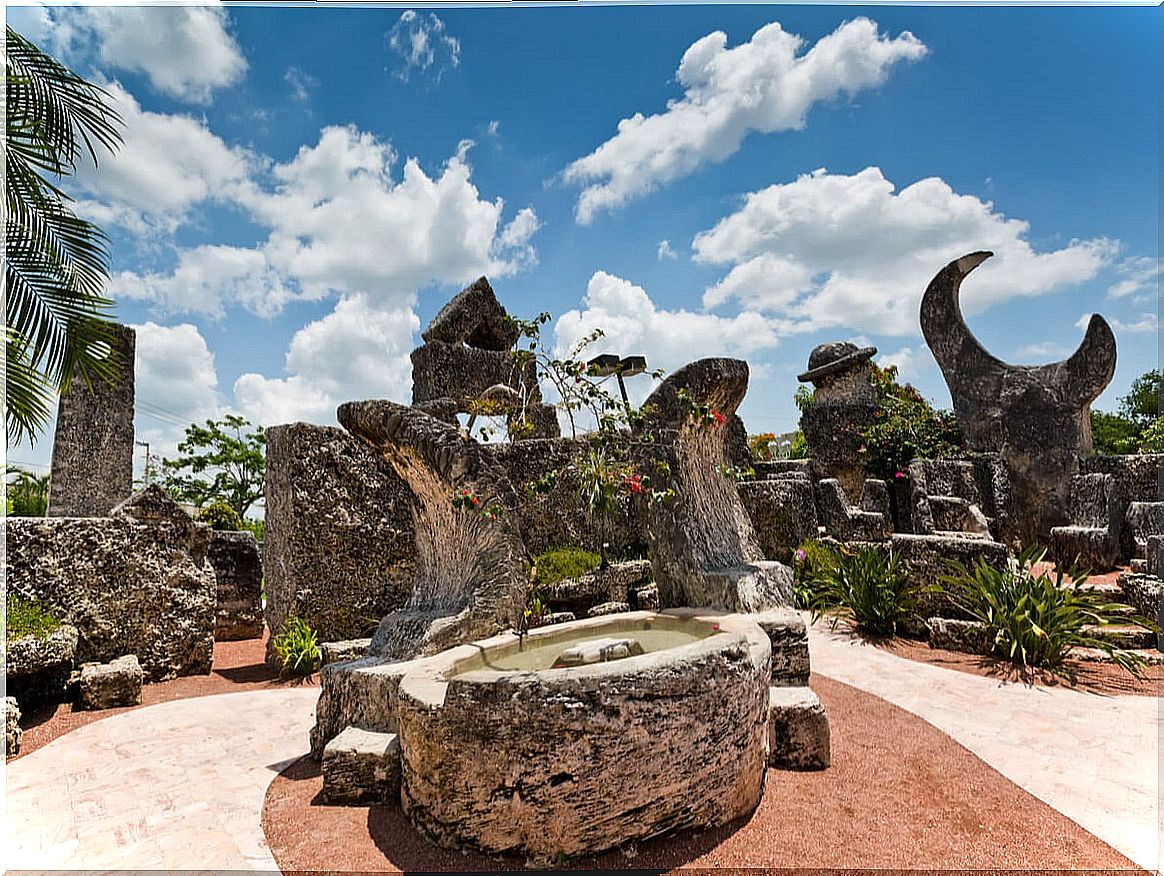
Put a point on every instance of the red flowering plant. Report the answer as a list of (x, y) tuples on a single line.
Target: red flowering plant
[(466, 500)]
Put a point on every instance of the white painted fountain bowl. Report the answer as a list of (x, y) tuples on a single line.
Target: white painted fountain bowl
[(504, 753)]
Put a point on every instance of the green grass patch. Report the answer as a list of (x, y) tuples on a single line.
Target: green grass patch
[(565, 562), (29, 617)]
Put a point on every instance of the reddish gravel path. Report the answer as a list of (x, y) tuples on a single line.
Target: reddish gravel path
[(899, 795), (237, 666)]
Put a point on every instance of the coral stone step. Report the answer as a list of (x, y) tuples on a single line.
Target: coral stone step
[(798, 729), (361, 767), (1123, 635)]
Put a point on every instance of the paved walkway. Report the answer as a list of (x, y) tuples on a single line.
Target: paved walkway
[(1093, 758), (178, 785)]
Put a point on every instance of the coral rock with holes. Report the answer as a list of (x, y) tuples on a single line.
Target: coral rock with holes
[(362, 767), (110, 685), (798, 730), (12, 731)]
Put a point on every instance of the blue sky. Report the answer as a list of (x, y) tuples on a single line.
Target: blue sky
[(301, 189)]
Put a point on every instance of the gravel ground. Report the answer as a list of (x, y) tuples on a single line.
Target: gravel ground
[(899, 795)]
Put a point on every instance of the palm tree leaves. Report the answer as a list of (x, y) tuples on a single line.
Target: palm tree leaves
[(56, 263)]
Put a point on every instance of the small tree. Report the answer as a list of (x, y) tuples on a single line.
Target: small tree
[(26, 494), (1138, 426), (221, 460), (906, 427)]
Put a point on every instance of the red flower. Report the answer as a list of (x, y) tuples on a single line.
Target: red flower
[(718, 417)]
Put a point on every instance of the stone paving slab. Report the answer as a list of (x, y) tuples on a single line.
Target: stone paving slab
[(174, 786), (1094, 758)]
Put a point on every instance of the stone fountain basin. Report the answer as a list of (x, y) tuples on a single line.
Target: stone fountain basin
[(502, 753)]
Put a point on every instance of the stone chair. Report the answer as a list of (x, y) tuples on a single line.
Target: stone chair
[(844, 522), (952, 497), (469, 579), (1092, 540), (703, 547)]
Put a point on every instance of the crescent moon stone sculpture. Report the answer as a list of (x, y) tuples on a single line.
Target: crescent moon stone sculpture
[(1036, 417)]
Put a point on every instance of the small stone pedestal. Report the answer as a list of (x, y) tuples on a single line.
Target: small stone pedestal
[(109, 685), (361, 768), (798, 729)]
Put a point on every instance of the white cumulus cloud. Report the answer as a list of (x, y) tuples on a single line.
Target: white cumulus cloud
[(1139, 275), (831, 250), (764, 85), (664, 251), (634, 325), (357, 351), (186, 52), (421, 44)]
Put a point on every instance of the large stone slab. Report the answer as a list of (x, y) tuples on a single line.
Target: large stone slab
[(38, 667), (92, 465), (238, 571), (339, 549), (966, 636), (454, 371), (927, 559), (137, 582)]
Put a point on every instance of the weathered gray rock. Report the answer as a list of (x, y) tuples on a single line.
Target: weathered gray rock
[(783, 513), (92, 465), (789, 639), (608, 608), (608, 754), (1145, 593), (703, 548), (966, 636), (1093, 539), (357, 693), (136, 582), (927, 558), (473, 317), (338, 652), (1155, 559), (783, 468), (1137, 478), (460, 373), (362, 768), (339, 549), (557, 514), (843, 405), (798, 730), (949, 496), (469, 580), (110, 685), (557, 617), (38, 667), (611, 584), (1144, 520), (846, 522), (12, 731), (238, 570), (1036, 417), (645, 598)]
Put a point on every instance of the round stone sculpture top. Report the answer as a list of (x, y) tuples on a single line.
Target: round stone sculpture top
[(827, 360)]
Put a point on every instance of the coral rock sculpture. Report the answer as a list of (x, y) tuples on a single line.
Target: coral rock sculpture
[(703, 549), (1037, 417)]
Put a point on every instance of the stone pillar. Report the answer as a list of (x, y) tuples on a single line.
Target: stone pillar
[(92, 467), (843, 405)]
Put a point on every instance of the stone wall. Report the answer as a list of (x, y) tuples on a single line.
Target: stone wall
[(238, 569), (558, 517), (339, 549), (1136, 478), (137, 582), (92, 466)]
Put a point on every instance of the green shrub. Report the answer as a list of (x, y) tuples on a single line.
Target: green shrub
[(906, 427), (28, 617), (220, 516), (867, 587), (297, 648), (564, 562), (257, 528), (812, 559), (1036, 620)]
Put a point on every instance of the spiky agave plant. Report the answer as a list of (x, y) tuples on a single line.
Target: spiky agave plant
[(1036, 619), (866, 586)]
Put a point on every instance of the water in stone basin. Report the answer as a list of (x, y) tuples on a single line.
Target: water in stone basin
[(582, 647)]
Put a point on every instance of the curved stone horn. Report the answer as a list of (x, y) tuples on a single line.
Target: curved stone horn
[(955, 348), (1092, 366)]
